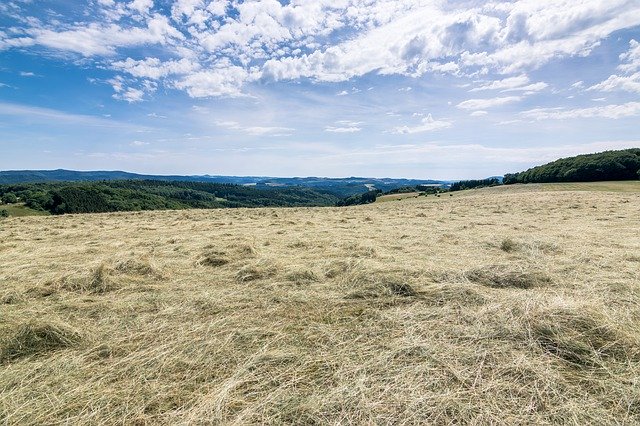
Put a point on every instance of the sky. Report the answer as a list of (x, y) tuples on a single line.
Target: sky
[(440, 89)]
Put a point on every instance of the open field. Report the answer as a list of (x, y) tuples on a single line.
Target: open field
[(610, 186), (510, 305), (396, 197), (19, 210)]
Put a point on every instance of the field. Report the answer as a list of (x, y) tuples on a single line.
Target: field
[(19, 210), (396, 197), (506, 305)]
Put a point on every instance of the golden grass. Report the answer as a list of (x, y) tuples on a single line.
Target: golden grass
[(500, 306), (397, 197)]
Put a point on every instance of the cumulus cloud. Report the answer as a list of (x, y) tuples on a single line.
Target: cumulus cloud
[(154, 68), (215, 48), (224, 81), (629, 83), (100, 39), (613, 111), (631, 59), (481, 104), (630, 66), (427, 124)]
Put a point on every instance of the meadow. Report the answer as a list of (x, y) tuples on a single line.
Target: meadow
[(504, 305)]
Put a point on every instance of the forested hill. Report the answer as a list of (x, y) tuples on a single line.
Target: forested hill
[(340, 187), (133, 195), (603, 166)]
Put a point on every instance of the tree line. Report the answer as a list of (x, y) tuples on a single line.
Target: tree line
[(603, 166)]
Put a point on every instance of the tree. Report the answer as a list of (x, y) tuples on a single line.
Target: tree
[(9, 198)]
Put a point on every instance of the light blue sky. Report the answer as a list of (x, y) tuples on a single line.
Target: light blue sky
[(422, 89)]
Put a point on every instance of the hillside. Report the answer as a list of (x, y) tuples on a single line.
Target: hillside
[(603, 166), (504, 305), (339, 187), (135, 195)]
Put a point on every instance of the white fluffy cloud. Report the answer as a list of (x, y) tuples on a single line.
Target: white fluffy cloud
[(105, 39), (631, 59), (629, 109), (630, 66), (154, 68), (481, 104), (427, 124), (216, 47)]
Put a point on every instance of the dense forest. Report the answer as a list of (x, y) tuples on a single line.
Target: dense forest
[(133, 195), (603, 166), (471, 184)]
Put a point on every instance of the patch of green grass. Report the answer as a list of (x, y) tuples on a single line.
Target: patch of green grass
[(19, 210)]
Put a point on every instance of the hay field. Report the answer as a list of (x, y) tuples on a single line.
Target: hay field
[(498, 306)]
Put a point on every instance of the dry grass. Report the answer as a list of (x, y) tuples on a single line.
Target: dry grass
[(500, 306)]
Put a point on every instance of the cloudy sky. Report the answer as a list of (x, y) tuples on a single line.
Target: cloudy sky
[(426, 89)]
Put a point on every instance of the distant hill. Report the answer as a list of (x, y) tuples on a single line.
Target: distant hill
[(340, 187), (136, 194), (602, 166)]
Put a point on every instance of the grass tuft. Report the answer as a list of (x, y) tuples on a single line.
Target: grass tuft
[(36, 337), (502, 276), (213, 258), (582, 337), (508, 245), (360, 284), (139, 267), (458, 293), (302, 276), (256, 271), (97, 281)]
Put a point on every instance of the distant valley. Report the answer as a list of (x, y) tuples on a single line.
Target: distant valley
[(340, 187)]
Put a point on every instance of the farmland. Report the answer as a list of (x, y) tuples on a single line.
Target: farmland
[(502, 305)]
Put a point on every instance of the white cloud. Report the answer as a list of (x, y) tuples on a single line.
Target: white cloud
[(256, 130), (225, 81), (475, 104), (98, 39), (141, 6), (27, 74), (507, 83), (479, 113), (629, 82), (427, 124), (217, 47), (154, 68), (351, 129), (130, 95), (631, 58), (629, 109), (139, 143)]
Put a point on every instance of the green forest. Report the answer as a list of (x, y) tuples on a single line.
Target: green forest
[(603, 166), (470, 184), (134, 195)]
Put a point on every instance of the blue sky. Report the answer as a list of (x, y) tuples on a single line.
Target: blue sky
[(422, 89)]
